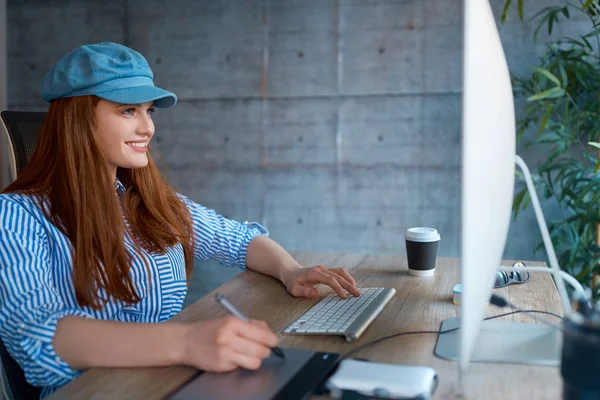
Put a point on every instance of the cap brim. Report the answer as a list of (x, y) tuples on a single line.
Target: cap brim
[(139, 95)]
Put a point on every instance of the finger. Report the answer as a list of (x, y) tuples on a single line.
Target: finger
[(348, 278), (327, 278), (257, 333), (224, 364), (246, 361), (263, 325), (250, 348), (305, 291), (345, 274), (259, 323), (343, 282)]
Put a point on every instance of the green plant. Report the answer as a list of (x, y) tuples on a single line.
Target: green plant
[(563, 115)]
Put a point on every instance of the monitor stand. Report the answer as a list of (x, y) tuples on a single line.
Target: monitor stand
[(514, 342), (505, 342)]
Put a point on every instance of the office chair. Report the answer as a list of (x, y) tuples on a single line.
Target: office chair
[(22, 129)]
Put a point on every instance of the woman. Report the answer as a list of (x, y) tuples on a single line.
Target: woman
[(96, 247)]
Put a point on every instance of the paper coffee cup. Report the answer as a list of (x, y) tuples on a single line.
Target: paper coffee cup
[(421, 250)]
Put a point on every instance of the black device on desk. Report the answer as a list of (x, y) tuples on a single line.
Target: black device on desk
[(295, 377), (581, 354)]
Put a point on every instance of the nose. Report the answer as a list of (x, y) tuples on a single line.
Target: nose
[(145, 125)]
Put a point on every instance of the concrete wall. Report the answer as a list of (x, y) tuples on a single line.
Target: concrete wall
[(336, 123)]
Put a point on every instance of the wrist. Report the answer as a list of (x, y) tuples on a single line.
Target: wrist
[(178, 352), (287, 270)]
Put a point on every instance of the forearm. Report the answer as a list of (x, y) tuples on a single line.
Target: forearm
[(85, 343), (266, 256)]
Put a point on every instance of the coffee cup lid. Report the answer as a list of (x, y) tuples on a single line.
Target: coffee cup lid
[(422, 234)]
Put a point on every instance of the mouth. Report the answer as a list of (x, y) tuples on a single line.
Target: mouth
[(140, 146)]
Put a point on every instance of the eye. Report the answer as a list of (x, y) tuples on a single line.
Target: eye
[(129, 111), (151, 110)]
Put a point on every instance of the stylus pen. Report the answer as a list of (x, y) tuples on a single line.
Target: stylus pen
[(229, 307)]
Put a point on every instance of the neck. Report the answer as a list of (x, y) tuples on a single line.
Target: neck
[(112, 173)]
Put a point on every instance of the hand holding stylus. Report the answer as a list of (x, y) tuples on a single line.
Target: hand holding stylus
[(222, 300)]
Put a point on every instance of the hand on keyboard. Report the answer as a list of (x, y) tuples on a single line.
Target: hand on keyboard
[(301, 282)]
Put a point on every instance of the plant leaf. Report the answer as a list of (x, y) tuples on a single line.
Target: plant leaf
[(595, 144), (563, 75), (545, 119), (548, 94), (587, 4), (593, 33), (517, 202), (541, 23), (520, 8), (526, 201), (551, 20), (505, 11), (547, 74)]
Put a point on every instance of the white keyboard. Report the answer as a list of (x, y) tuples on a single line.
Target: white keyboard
[(348, 317)]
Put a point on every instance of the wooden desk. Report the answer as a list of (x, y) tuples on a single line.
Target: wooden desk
[(419, 304)]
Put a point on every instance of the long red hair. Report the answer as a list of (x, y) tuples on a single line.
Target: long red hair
[(69, 169)]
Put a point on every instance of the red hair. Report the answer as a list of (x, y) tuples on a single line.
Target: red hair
[(69, 169)]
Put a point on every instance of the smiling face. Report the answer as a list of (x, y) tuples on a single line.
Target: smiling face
[(123, 132)]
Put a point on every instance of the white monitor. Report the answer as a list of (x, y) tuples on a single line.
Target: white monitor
[(488, 166), (488, 178)]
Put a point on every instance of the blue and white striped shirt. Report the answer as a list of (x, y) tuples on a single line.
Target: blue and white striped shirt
[(36, 288)]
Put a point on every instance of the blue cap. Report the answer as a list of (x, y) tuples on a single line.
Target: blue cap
[(108, 70)]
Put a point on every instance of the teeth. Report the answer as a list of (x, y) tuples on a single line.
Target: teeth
[(141, 145)]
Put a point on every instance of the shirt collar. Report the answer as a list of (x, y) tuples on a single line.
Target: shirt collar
[(119, 188)]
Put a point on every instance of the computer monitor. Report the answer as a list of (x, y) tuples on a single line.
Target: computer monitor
[(488, 178), (488, 166)]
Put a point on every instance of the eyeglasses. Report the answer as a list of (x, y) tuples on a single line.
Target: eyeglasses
[(504, 278)]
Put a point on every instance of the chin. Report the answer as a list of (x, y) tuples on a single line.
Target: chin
[(139, 165), (136, 164)]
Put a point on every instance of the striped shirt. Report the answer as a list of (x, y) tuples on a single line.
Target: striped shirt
[(36, 287)]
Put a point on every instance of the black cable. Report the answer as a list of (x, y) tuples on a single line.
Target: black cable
[(439, 332), (501, 302)]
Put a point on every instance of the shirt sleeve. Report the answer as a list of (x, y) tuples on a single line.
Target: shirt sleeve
[(30, 305), (220, 238)]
